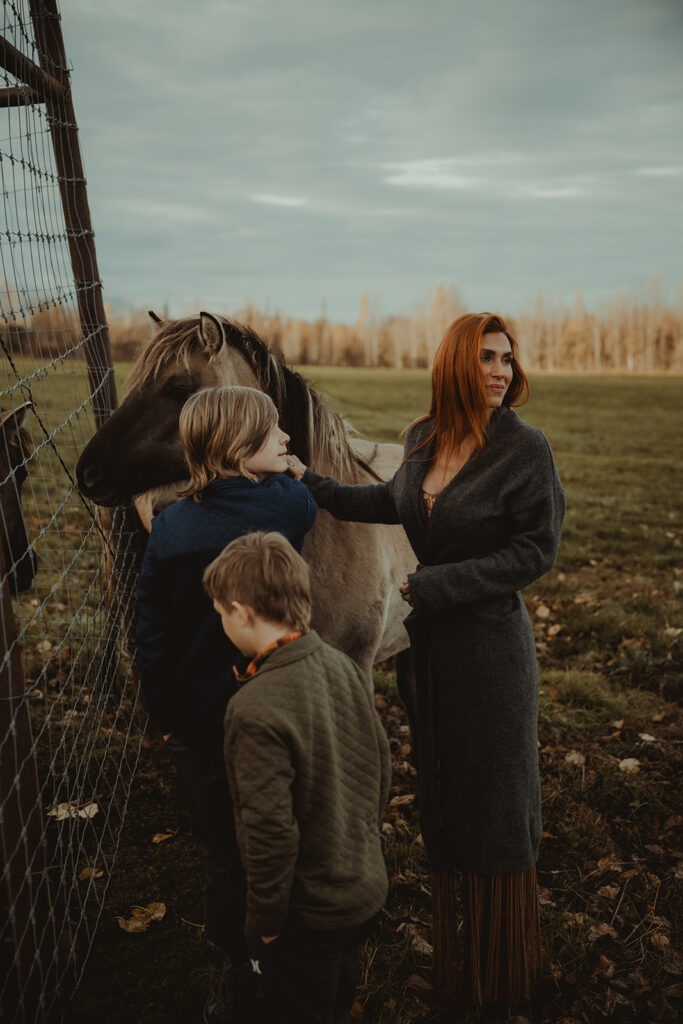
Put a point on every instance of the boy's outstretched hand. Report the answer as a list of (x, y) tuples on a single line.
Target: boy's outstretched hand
[(295, 466)]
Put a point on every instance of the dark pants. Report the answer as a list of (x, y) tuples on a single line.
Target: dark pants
[(203, 780), (308, 977)]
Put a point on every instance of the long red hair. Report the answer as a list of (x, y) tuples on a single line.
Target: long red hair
[(459, 403)]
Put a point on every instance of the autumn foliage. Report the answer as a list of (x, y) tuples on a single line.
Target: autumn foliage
[(634, 331)]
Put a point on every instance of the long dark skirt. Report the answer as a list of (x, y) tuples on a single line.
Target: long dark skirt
[(502, 939)]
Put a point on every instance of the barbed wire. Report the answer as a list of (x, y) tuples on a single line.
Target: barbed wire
[(70, 721)]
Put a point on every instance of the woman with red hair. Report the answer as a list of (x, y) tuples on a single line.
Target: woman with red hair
[(480, 499)]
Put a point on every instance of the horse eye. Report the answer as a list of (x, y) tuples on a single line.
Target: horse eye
[(178, 388)]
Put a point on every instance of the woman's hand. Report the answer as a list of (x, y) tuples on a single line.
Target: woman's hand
[(295, 466), (404, 591)]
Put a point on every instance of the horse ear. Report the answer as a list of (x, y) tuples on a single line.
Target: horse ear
[(211, 332), (153, 316), (12, 419)]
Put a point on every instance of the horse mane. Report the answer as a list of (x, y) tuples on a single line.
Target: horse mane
[(174, 341), (319, 436)]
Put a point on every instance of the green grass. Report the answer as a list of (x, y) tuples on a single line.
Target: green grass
[(606, 621), (85, 726)]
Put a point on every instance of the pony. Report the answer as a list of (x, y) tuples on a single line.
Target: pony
[(19, 560), (356, 568)]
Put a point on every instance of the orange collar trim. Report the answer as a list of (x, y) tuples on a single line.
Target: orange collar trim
[(256, 662)]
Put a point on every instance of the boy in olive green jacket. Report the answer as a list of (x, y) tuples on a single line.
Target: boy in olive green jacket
[(309, 770)]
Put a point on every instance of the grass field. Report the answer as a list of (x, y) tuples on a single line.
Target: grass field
[(608, 624)]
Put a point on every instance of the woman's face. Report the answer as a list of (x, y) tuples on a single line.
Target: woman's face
[(495, 363), (271, 456)]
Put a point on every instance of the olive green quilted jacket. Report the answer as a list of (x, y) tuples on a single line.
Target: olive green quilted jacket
[(309, 769)]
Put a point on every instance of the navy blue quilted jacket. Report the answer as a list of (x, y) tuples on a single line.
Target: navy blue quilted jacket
[(185, 659)]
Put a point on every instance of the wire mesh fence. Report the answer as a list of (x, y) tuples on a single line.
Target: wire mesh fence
[(70, 724)]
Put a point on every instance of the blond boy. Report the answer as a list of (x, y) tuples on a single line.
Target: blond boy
[(237, 457), (309, 769)]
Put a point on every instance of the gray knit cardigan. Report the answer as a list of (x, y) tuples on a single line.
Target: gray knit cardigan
[(494, 529)]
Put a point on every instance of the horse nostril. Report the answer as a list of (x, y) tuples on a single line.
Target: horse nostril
[(92, 476)]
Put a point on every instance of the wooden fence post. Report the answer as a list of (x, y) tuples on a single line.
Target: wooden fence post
[(72, 185)]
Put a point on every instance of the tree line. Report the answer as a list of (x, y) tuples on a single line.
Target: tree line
[(633, 331)]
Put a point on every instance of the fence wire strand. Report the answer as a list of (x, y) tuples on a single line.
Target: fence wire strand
[(70, 721)]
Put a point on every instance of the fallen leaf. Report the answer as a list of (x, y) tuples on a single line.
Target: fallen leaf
[(660, 941), (647, 738), (617, 723), (609, 892), (613, 1000), (418, 938), (88, 811), (604, 967), (161, 837), (630, 765), (609, 863), (625, 875), (554, 629), (415, 981), (44, 646), (575, 757), (399, 801), (674, 965), (60, 812), (90, 873), (380, 701), (142, 917), (578, 917), (658, 716), (599, 931), (543, 611), (544, 897), (641, 983)]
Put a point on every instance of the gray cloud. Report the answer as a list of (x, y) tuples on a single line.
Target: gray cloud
[(295, 151)]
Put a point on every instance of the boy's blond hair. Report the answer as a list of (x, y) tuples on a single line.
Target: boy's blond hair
[(264, 571), (219, 429)]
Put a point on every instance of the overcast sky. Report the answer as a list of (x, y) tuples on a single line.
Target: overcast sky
[(296, 152)]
